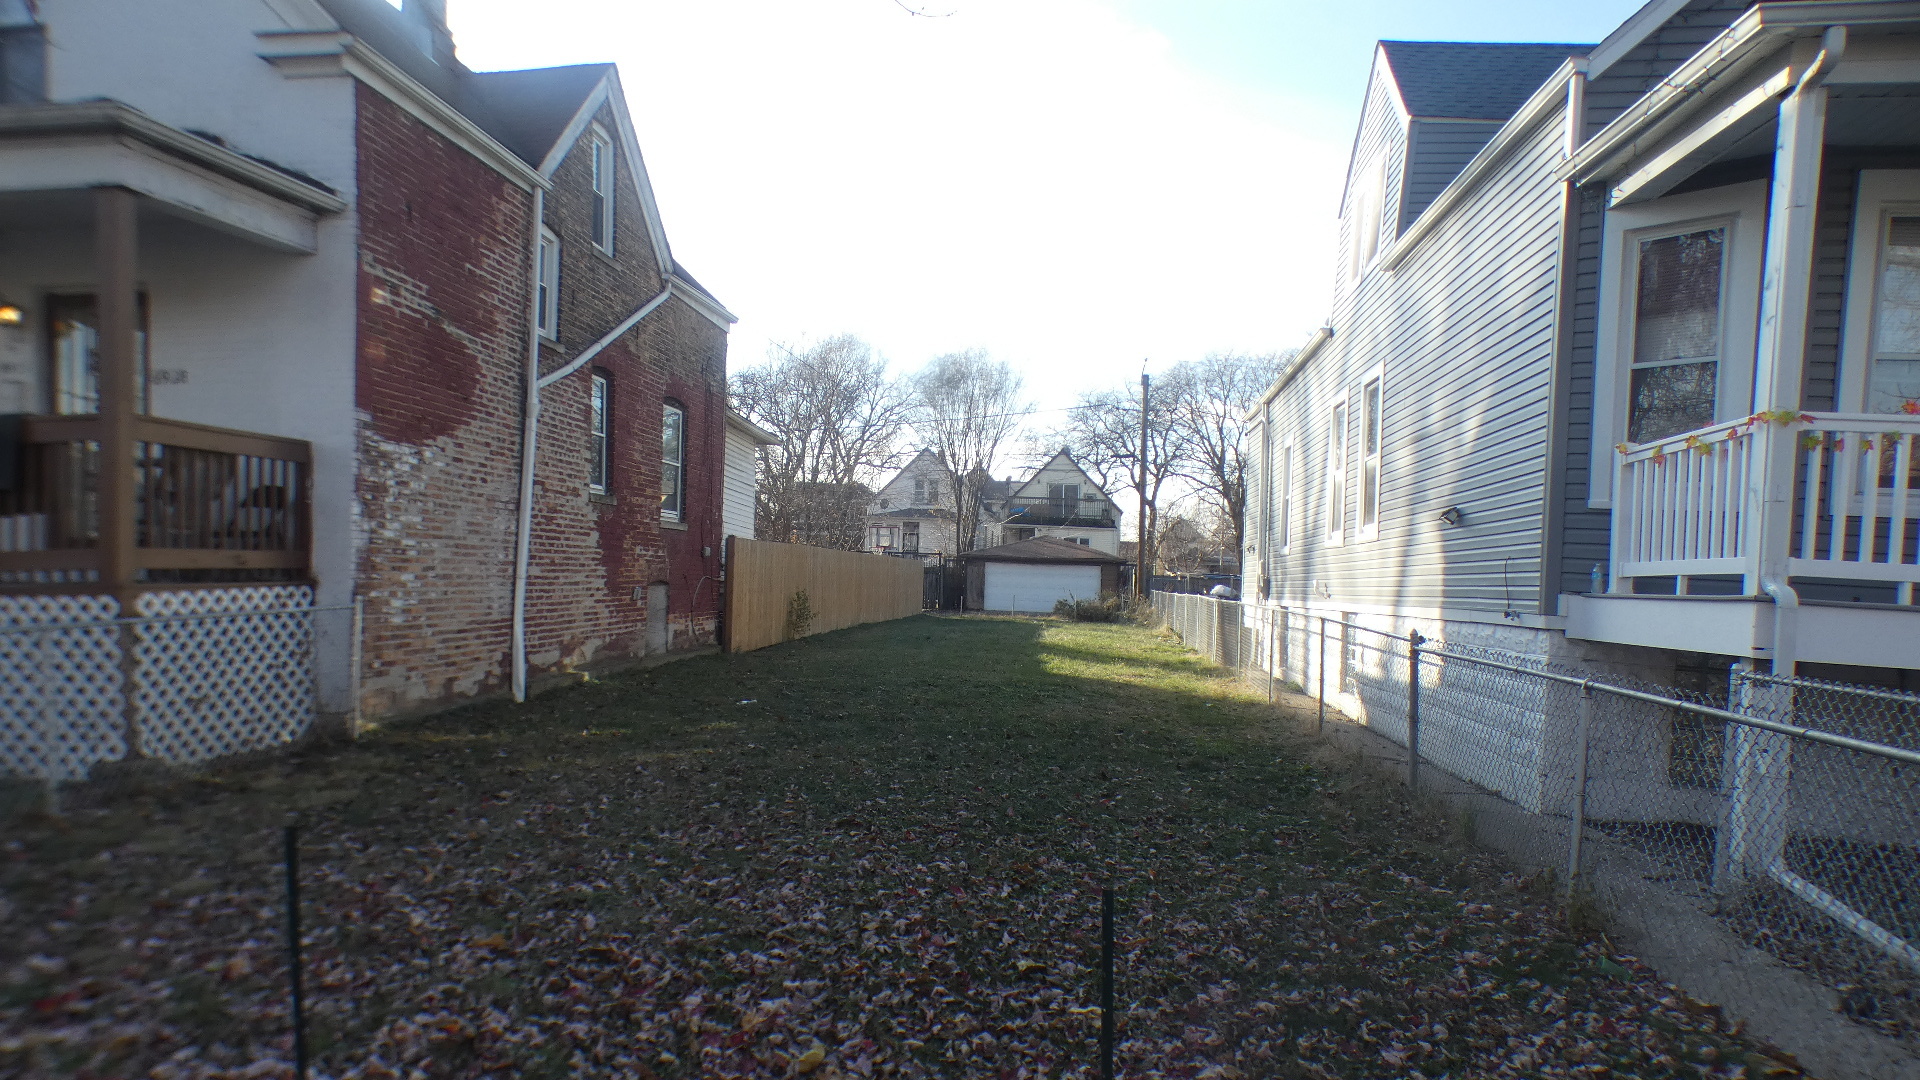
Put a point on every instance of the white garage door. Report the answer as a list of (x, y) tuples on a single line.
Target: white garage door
[(1035, 586)]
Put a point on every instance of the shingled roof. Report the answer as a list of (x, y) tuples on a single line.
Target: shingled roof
[(1043, 549), (1472, 80)]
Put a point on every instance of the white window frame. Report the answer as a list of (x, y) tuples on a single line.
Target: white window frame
[(1883, 194), (603, 184), (1288, 467), (1741, 209), (678, 460), (599, 433), (1334, 474), (548, 285), (1368, 200), (1373, 457)]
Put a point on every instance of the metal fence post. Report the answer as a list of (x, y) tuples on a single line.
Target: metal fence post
[(1413, 709), (1272, 618), (357, 649), (1320, 724), (1579, 825)]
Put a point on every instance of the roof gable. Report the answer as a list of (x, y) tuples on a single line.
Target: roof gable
[(1034, 486), (1471, 80), (924, 463)]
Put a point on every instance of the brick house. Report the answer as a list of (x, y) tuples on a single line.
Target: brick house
[(367, 329)]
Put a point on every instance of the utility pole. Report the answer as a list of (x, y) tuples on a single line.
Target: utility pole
[(1140, 579)]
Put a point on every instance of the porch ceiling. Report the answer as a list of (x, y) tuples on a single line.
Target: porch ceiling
[(52, 155)]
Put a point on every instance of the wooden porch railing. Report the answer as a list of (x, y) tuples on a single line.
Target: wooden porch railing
[(1691, 506), (208, 504)]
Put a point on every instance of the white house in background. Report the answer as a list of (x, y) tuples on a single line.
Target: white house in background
[(741, 488), (1059, 500), (912, 513)]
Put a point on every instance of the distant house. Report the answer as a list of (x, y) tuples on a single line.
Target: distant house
[(741, 488), (1061, 501), (1035, 574), (912, 513)]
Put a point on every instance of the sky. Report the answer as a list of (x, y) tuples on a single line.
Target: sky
[(1079, 187)]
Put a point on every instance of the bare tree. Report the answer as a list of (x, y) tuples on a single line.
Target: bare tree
[(966, 407), (1103, 434), (838, 416), (1207, 402)]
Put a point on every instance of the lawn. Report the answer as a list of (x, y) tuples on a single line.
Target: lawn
[(872, 853)]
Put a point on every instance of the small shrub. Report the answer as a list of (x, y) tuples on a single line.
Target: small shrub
[(799, 615), (1108, 608)]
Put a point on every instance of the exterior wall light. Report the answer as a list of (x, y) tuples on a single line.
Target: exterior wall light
[(1452, 515), (10, 314)]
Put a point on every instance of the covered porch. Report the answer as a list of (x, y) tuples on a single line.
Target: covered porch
[(1756, 407)]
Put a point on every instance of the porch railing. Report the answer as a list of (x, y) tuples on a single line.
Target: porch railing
[(1696, 506), (1081, 513), (209, 504)]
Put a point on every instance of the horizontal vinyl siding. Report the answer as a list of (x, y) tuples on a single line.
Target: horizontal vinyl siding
[(1464, 330), (1436, 152), (737, 494)]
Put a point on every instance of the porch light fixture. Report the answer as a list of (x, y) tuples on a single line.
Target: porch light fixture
[(10, 314), (1452, 515)]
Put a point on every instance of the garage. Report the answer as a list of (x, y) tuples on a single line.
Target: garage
[(1035, 586), (1033, 575)]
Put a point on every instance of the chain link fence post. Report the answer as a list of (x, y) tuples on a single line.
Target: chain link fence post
[(1578, 827), (1413, 710), (1320, 723)]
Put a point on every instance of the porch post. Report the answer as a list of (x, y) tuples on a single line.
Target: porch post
[(116, 304), (1785, 295)]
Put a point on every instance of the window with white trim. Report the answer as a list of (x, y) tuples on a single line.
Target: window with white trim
[(547, 300), (600, 434), (1336, 467), (1880, 368), (1677, 320), (1372, 420), (673, 463), (602, 180), (1283, 523), (1364, 210)]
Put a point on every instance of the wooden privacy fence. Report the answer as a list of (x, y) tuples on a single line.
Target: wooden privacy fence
[(778, 592)]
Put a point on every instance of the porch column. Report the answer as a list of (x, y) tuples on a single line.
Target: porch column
[(1785, 295), (116, 306)]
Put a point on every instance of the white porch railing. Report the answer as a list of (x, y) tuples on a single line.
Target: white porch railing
[(1694, 506)]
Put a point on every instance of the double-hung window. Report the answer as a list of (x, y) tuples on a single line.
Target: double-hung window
[(547, 285), (1283, 496), (602, 180), (673, 464), (1677, 333), (1336, 467), (600, 434), (1371, 419), (1880, 367)]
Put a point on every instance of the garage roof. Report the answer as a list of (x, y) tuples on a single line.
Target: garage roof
[(1043, 549)]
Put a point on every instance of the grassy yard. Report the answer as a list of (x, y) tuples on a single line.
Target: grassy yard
[(874, 853)]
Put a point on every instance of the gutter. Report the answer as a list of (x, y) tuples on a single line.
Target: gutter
[(1320, 337), (1732, 52)]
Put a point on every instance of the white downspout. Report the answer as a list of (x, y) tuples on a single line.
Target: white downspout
[(529, 434), (529, 445)]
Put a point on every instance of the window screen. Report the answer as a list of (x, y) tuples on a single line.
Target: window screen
[(1676, 334)]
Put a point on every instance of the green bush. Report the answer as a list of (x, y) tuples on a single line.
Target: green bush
[(1108, 608)]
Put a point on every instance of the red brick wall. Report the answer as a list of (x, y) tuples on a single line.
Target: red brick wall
[(443, 303), (443, 312), (595, 556)]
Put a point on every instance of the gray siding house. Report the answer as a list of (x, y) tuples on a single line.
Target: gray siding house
[(1623, 364)]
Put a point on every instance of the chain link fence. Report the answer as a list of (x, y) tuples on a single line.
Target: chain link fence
[(1783, 816)]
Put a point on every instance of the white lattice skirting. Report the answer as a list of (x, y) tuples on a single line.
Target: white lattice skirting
[(210, 672)]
